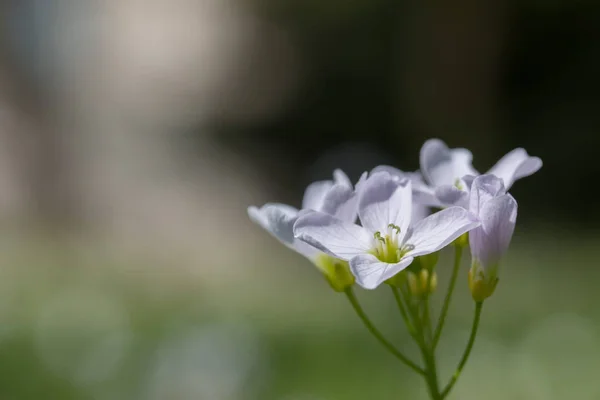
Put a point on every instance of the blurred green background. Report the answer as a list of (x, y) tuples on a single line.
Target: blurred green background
[(134, 134)]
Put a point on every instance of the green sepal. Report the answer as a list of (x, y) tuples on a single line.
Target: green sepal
[(336, 272)]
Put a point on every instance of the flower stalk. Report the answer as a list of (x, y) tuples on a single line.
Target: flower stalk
[(378, 335), (467, 352), (448, 299)]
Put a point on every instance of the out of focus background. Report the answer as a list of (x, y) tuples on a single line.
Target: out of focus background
[(134, 134)]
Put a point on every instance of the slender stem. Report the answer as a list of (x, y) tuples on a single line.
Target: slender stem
[(432, 379), (427, 322), (375, 332), (419, 337), (432, 368), (405, 317), (468, 349), (444, 312), (427, 352)]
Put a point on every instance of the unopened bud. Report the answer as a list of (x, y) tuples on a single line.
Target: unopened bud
[(422, 283)]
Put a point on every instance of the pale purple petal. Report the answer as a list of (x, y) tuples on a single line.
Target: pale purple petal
[(515, 165), (342, 202), (439, 230), (468, 180), (361, 183), (484, 188), (340, 178), (490, 241), (415, 177), (389, 169), (314, 195), (385, 200), (331, 235), (370, 272), (306, 250), (277, 219), (419, 212), (450, 195), (425, 196), (442, 166)]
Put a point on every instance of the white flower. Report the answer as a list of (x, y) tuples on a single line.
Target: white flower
[(333, 197), (449, 173), (386, 243), (497, 211)]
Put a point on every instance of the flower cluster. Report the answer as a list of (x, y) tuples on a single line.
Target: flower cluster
[(395, 228), (397, 238)]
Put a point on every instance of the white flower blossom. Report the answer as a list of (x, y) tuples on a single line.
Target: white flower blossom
[(387, 242)]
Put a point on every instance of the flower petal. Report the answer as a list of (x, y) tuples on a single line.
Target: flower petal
[(490, 241), (341, 201), (277, 219), (439, 230), (315, 194), (385, 200), (419, 212), (331, 235), (450, 195), (415, 177), (442, 166), (515, 165), (468, 180), (423, 194), (483, 189), (340, 178), (389, 169), (426, 196), (306, 250), (361, 181), (370, 272)]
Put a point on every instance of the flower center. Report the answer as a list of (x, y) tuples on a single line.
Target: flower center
[(387, 248)]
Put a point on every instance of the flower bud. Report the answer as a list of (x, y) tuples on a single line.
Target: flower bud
[(422, 283), (336, 271), (497, 212)]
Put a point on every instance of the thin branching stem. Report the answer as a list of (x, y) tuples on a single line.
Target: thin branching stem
[(375, 332), (446, 305), (467, 352)]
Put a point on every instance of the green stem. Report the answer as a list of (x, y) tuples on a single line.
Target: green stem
[(444, 312), (432, 380), (419, 337), (465, 356), (427, 322), (405, 317), (428, 352), (371, 328)]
